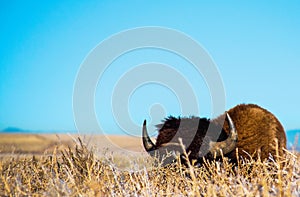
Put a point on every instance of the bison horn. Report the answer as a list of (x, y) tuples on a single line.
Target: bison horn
[(148, 144), (227, 145)]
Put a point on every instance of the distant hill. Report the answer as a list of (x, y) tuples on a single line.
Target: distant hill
[(27, 131), (13, 130)]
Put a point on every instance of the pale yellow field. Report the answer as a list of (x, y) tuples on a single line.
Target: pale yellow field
[(43, 165), (43, 143)]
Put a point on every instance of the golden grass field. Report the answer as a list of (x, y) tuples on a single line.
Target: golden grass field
[(41, 143), (61, 165)]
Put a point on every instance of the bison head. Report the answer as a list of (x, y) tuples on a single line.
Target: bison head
[(194, 133)]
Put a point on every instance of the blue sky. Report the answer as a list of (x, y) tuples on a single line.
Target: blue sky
[(255, 45)]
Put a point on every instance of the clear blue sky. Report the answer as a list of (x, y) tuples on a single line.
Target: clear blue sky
[(256, 46)]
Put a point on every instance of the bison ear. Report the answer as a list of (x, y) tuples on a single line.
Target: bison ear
[(147, 142), (227, 145)]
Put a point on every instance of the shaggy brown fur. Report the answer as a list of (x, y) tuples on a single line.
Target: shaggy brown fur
[(258, 132)]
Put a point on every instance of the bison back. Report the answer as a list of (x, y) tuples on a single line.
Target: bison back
[(259, 132)]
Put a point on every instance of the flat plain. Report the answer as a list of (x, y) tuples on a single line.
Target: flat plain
[(38, 144), (72, 165)]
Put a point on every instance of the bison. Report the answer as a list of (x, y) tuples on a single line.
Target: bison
[(251, 130)]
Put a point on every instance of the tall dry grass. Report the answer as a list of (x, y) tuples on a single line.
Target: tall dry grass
[(78, 172)]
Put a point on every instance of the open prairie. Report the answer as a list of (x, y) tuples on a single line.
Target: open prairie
[(62, 165), (38, 144)]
